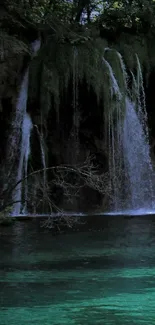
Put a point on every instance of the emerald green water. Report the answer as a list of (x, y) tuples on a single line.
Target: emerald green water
[(102, 276)]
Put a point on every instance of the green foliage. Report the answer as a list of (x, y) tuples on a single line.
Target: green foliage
[(137, 14), (10, 45), (72, 46), (63, 62), (129, 46), (12, 51), (5, 218)]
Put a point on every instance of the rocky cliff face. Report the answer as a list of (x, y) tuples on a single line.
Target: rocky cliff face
[(61, 134)]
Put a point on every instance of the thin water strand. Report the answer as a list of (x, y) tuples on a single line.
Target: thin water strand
[(43, 161)]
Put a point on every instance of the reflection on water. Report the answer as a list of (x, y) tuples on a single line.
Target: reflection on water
[(101, 276)]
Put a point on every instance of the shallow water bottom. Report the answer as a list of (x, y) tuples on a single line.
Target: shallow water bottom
[(98, 276)]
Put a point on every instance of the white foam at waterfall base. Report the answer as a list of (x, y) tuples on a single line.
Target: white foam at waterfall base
[(131, 212)]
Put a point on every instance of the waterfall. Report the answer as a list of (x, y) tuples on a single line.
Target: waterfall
[(20, 129), (130, 168), (22, 167), (20, 142), (16, 126), (137, 163)]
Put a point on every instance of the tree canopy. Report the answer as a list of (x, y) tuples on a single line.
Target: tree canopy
[(63, 25), (51, 14)]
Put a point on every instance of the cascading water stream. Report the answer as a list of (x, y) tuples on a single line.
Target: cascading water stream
[(20, 141), (129, 149), (22, 168), (137, 163), (22, 125)]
